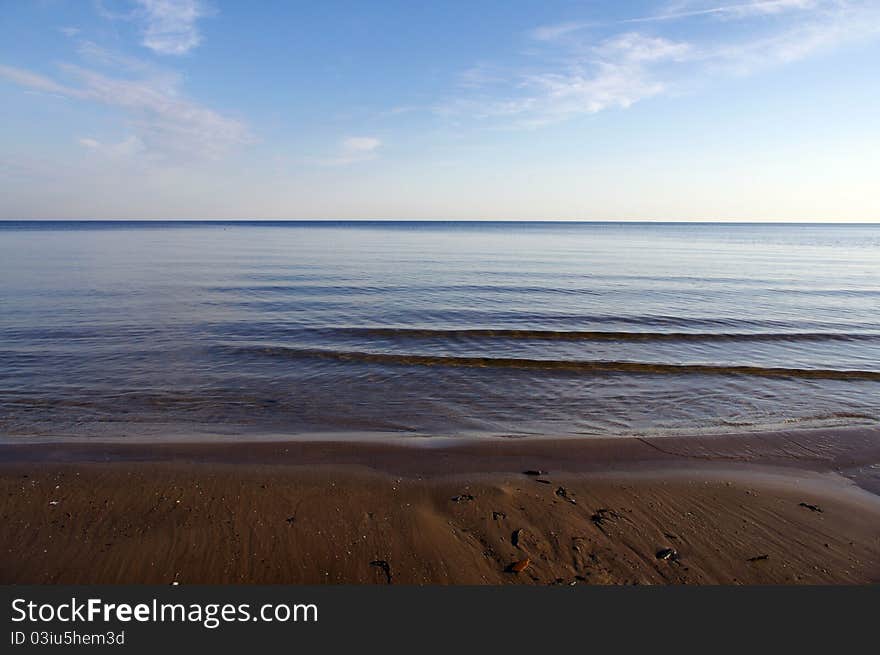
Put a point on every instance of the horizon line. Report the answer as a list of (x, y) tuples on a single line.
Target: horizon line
[(443, 220)]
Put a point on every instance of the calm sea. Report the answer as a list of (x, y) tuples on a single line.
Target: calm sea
[(264, 330)]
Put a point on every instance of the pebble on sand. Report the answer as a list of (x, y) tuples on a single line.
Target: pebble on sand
[(520, 566)]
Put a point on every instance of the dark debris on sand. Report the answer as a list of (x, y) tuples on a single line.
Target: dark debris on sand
[(385, 566), (667, 554), (603, 514), (516, 536), (562, 492)]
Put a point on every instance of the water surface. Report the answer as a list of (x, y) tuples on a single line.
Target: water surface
[(244, 330)]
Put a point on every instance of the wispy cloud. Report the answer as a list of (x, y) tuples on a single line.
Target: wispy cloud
[(100, 56), (171, 25), (35, 81), (558, 30), (481, 74), (615, 72), (124, 149), (162, 119), (822, 32), (576, 73), (355, 149)]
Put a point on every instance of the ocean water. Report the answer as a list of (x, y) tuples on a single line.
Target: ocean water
[(241, 330)]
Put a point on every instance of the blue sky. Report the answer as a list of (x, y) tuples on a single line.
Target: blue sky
[(667, 110)]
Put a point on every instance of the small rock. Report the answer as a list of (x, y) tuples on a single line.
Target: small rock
[(534, 472), (758, 558), (542, 481), (462, 498), (53, 502), (520, 566), (497, 516)]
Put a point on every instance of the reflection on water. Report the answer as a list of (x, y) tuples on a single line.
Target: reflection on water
[(152, 330)]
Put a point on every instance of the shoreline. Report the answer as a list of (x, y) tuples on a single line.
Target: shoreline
[(851, 451), (789, 507)]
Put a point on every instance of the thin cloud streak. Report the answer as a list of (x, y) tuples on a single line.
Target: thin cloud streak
[(564, 30), (742, 10)]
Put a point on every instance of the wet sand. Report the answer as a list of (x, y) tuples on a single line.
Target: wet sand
[(773, 508)]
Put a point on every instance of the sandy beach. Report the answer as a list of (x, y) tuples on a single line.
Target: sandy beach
[(777, 508)]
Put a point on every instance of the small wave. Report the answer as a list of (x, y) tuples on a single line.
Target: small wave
[(588, 366), (604, 335), (650, 322), (831, 417), (334, 288)]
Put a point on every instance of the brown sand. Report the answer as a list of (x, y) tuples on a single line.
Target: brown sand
[(762, 509)]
